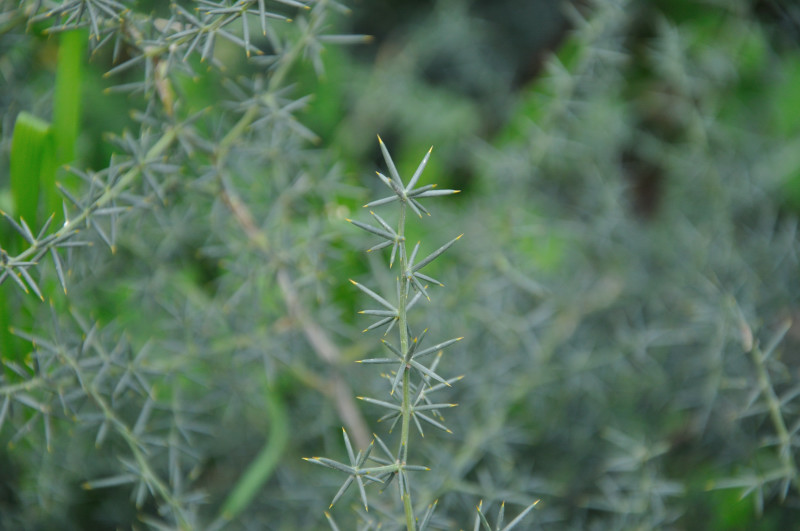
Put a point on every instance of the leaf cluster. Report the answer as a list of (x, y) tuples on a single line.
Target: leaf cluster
[(626, 287)]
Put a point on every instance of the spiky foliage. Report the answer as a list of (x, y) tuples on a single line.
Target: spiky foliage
[(83, 371), (412, 377)]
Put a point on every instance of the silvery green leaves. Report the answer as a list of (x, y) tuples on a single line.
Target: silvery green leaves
[(771, 397), (389, 315), (407, 193), (409, 360), (482, 523), (83, 373), (355, 470), (41, 245), (103, 199), (415, 278), (422, 408), (362, 475), (97, 14), (385, 231), (415, 376)]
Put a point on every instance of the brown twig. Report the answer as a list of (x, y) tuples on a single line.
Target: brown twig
[(338, 390)]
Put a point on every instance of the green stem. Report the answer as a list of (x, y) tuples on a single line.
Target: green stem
[(153, 154), (404, 346), (263, 466), (774, 406), (134, 443), (235, 133), (409, 512)]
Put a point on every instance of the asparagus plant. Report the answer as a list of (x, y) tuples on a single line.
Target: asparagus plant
[(416, 374)]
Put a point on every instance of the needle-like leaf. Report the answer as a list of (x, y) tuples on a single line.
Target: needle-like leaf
[(390, 163), (419, 171), (373, 295), (435, 254)]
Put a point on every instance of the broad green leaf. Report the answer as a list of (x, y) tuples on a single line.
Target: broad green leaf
[(31, 155), (66, 112)]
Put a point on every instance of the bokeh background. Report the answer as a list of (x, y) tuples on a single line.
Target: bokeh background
[(627, 284)]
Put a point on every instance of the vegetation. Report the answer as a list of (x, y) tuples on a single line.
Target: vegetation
[(180, 327)]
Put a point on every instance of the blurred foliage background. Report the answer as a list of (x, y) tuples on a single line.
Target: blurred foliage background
[(627, 284)]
